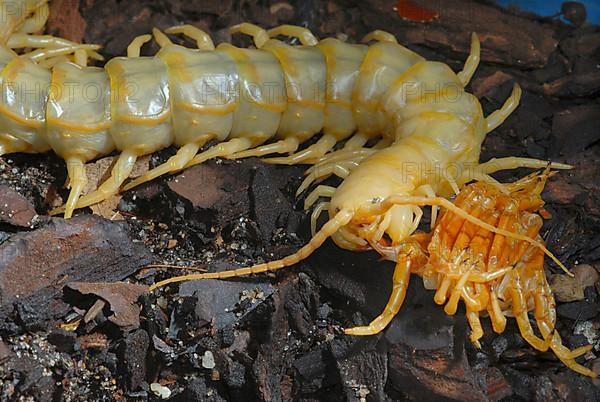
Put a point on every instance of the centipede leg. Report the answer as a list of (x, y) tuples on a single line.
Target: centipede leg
[(498, 117), (119, 174), (320, 191), (496, 316), (37, 20), (47, 53), (568, 356), (305, 36), (259, 35), (135, 47), (400, 284), (40, 42), (475, 324), (316, 213), (21, 40), (280, 147), (77, 179), (382, 143), (341, 170), (222, 150), (428, 191), (175, 163), (341, 156), (380, 36), (203, 40), (357, 141), (10, 144), (519, 305), (308, 155), (338, 164), (472, 61)]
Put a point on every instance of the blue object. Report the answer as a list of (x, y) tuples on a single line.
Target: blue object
[(547, 8)]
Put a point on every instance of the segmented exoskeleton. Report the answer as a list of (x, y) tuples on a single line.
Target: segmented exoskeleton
[(184, 97), (25, 77), (243, 98)]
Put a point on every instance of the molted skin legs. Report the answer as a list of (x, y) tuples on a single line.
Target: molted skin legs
[(400, 282), (479, 267)]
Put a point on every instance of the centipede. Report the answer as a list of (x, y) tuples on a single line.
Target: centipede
[(400, 131)]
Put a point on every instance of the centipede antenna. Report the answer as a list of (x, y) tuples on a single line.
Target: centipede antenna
[(513, 162), (203, 40), (472, 61), (135, 47), (379, 208), (258, 34), (498, 117), (332, 226), (379, 36)]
